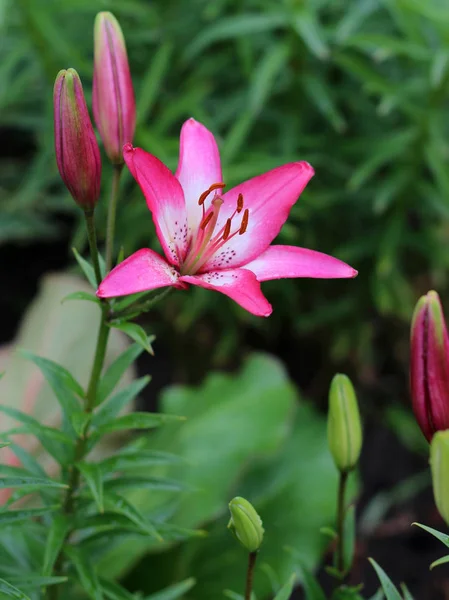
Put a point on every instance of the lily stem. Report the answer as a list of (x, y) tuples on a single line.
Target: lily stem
[(68, 507), (250, 575), (92, 237), (341, 521), (110, 231)]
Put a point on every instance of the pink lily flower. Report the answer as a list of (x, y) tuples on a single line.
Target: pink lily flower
[(215, 240)]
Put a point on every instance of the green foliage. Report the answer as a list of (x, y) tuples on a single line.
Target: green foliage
[(356, 88), (254, 426), (390, 590)]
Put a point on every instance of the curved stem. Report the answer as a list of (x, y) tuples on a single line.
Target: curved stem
[(92, 237), (110, 231), (250, 575), (341, 521)]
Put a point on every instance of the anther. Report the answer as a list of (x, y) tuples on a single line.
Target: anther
[(244, 224), (227, 229), (240, 203), (214, 186), (206, 220)]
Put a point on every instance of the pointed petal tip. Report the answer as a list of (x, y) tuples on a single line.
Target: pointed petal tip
[(306, 167)]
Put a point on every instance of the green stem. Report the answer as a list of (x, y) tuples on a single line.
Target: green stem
[(100, 353), (110, 231), (250, 575), (73, 482), (92, 237), (341, 521)]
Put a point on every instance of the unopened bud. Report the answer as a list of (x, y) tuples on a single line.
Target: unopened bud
[(245, 524), (77, 151), (113, 95), (344, 430), (429, 365), (439, 464)]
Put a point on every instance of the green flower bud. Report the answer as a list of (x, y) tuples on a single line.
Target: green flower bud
[(245, 524), (344, 430), (439, 464)]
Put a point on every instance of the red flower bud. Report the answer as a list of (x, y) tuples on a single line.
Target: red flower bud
[(429, 365), (77, 151), (113, 95)]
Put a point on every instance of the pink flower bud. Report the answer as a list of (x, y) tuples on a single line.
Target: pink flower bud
[(113, 95), (77, 151), (429, 365)]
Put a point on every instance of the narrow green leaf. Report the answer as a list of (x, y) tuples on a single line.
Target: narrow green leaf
[(114, 591), (116, 370), (173, 591), (28, 460), (234, 596), (307, 27), (440, 561), (11, 592), (55, 442), (136, 420), (390, 590), (66, 389), (79, 420), (151, 82), (145, 483), (86, 268), (121, 506), (35, 482), (93, 476), (234, 27), (55, 540), (86, 572), (286, 590), (137, 459), (407, 595), (136, 333), (15, 516), (443, 537), (110, 409), (33, 581), (81, 296)]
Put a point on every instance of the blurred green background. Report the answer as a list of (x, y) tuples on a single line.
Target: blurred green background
[(358, 88)]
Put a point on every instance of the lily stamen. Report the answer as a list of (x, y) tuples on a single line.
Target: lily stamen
[(213, 187), (227, 229), (244, 225)]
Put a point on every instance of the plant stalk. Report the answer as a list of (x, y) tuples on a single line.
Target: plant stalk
[(92, 237), (341, 521), (110, 231), (250, 575)]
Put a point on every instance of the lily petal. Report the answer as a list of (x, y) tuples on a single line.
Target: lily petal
[(198, 168), (289, 261), (239, 284), (268, 198), (165, 199), (143, 271)]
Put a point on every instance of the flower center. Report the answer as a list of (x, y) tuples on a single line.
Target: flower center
[(206, 241)]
